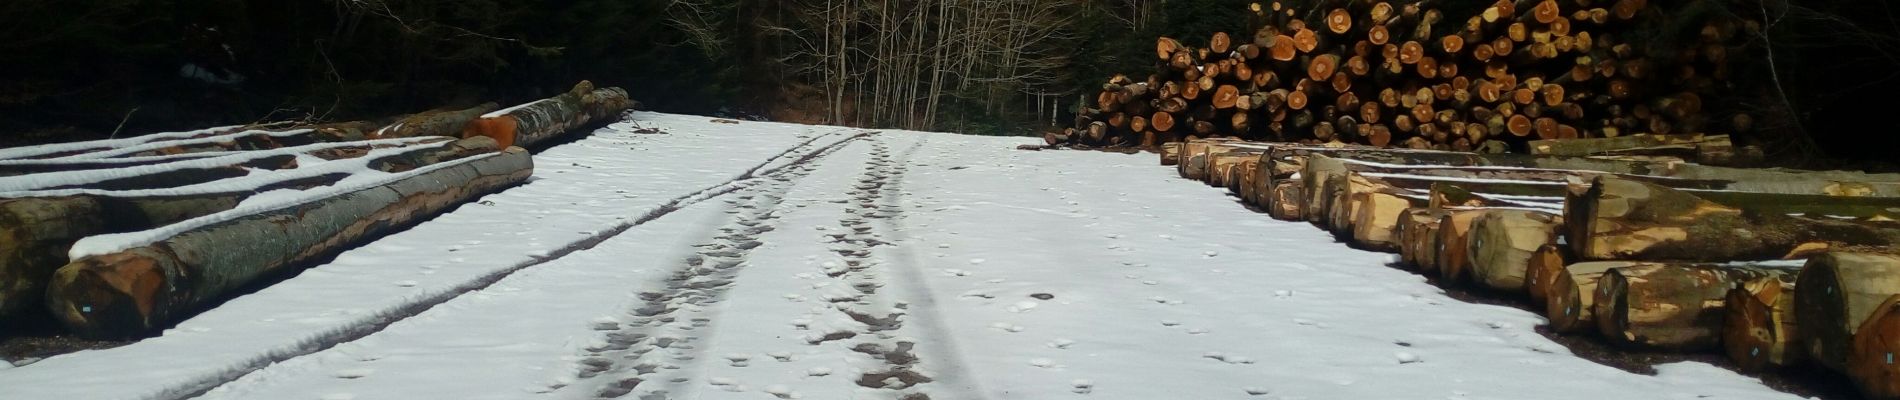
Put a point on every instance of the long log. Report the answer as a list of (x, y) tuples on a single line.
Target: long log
[(1624, 219), (536, 122), (1871, 365), (1501, 244), (24, 167), (1759, 329), (37, 229), (1835, 295), (1706, 149), (1674, 307), (435, 123), (1834, 183), (127, 292)]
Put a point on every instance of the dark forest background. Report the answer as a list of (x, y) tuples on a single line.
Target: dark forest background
[(75, 70)]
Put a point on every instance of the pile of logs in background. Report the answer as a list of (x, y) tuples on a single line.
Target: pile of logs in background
[(1438, 75), (1777, 269), (53, 196)]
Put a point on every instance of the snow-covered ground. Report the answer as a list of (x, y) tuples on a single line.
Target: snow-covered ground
[(760, 261)]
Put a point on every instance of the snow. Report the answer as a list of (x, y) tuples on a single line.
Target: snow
[(721, 287), (33, 182), (361, 177), (104, 154), (506, 111), (42, 150)]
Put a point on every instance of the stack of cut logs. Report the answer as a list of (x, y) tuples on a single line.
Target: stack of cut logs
[(1401, 73), (1776, 268), (191, 226)]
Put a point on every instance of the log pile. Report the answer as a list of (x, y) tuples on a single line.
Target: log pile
[(116, 237), (1778, 269), (1403, 73)]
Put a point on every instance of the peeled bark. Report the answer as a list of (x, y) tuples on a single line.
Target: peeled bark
[(1759, 330), (1501, 244), (126, 293), (1835, 295), (1674, 307), (1623, 219)]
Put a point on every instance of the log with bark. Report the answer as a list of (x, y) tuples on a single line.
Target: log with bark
[(1623, 219), (1871, 365), (536, 122), (1835, 295), (435, 122), (1454, 260), (1759, 330), (1669, 306), (39, 227), (1170, 153), (127, 292)]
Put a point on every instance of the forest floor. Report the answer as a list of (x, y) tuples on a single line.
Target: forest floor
[(761, 260)]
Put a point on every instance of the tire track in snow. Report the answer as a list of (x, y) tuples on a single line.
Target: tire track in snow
[(663, 336), (794, 157), (945, 363), (883, 318)]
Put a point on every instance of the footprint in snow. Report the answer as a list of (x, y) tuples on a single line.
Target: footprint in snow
[(1169, 322), (1042, 362), (1082, 386), (354, 373), (339, 396), (818, 371), (1061, 343), (1255, 390), (781, 356), (1407, 358), (1004, 326)]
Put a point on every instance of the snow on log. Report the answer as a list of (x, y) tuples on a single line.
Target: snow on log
[(1624, 219), (1835, 295), (1669, 306), (50, 222), (535, 122), (185, 171), (23, 167), (435, 122), (1871, 365), (133, 284), (67, 149), (258, 139), (1759, 329)]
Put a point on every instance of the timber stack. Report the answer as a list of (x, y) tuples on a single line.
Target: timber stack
[(1778, 269), (114, 238), (1403, 73)]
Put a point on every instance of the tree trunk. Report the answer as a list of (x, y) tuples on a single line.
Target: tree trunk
[(129, 292), (1501, 244), (1624, 219), (533, 123), (436, 123), (1674, 307), (1759, 330), (1835, 295)]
